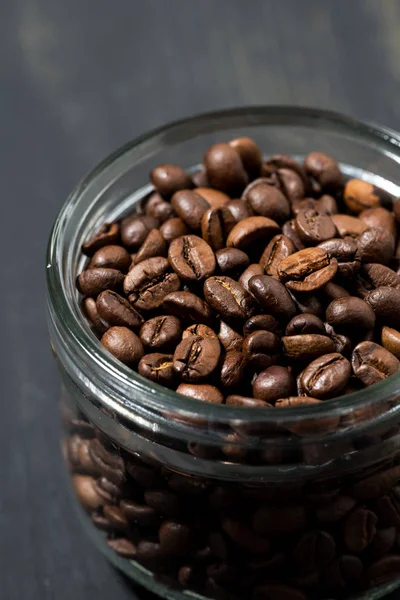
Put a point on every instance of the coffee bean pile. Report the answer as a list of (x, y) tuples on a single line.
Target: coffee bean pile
[(238, 541), (257, 283)]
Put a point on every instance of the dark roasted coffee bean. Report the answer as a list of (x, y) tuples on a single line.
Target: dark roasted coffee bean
[(238, 209), (228, 298), (158, 208), (314, 550), (199, 330), (254, 269), (343, 343), (290, 183), (350, 313), (195, 358), (283, 161), (272, 296), (235, 400), (216, 225), (326, 376), (376, 485), (108, 234), (383, 570), (346, 253), (372, 363), (123, 547), (191, 258), (123, 344), (151, 555), (289, 230), (245, 537), (225, 169), (327, 205), (391, 340), (161, 333), (279, 247), (310, 426), (336, 509), (116, 517), (134, 230), (379, 217), (305, 204), (250, 154), (251, 230), (345, 571), (313, 227), (307, 347), (279, 520), (264, 342), (188, 306), (163, 501), (307, 270), (190, 207), (325, 170), (266, 322), (84, 487), (305, 323), (347, 225), (111, 257), (90, 310), (232, 261), (153, 245), (147, 283), (382, 543), (376, 275), (266, 200), (387, 509), (359, 530), (203, 392), (173, 228), (273, 383), (215, 198), (229, 338), (359, 195), (139, 513), (333, 291), (385, 302), (114, 309), (158, 368), (94, 281), (376, 245), (308, 304), (232, 369), (175, 537), (168, 179)]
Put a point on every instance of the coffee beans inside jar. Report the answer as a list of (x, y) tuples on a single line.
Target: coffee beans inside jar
[(259, 283)]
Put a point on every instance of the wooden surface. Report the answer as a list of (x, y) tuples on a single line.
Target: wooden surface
[(78, 78)]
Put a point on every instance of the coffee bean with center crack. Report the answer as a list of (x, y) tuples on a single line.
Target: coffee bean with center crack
[(147, 284), (191, 258), (273, 296), (307, 270), (372, 363), (228, 298), (195, 358), (216, 224), (161, 333), (114, 309), (279, 248), (158, 368), (326, 376)]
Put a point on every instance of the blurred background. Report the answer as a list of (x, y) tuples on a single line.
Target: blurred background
[(78, 78)]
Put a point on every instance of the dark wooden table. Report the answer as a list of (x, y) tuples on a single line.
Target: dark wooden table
[(79, 78)]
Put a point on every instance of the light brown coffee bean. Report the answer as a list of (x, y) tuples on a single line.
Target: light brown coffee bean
[(215, 198), (359, 195), (190, 207), (225, 169), (307, 347), (250, 230), (307, 270), (279, 248), (153, 245), (94, 281), (347, 225), (326, 376), (173, 228), (108, 234), (391, 340), (123, 344), (203, 392), (250, 154), (372, 363), (167, 179), (111, 257), (147, 283), (114, 309)]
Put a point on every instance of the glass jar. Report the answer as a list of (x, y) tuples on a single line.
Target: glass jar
[(225, 502)]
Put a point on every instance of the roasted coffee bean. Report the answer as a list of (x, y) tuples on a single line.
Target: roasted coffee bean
[(346, 253), (134, 230), (190, 207), (232, 261), (290, 183), (225, 169), (245, 402), (377, 484), (250, 154), (372, 363), (123, 547), (107, 235), (307, 270), (359, 530), (376, 245), (228, 298), (173, 228), (90, 310), (385, 302), (343, 343), (333, 291), (216, 225), (272, 295), (325, 170), (111, 257), (336, 509), (229, 338), (116, 517), (379, 217), (195, 358), (238, 209), (347, 225), (376, 275), (203, 392), (350, 313), (359, 195), (151, 555), (289, 230), (124, 345), (263, 342), (305, 323), (314, 550), (283, 161), (254, 269), (153, 245), (273, 383), (161, 333), (383, 570), (191, 258), (382, 543), (114, 309), (157, 367), (94, 281), (250, 230), (84, 487), (344, 571), (314, 227), (279, 248), (139, 513), (168, 179), (266, 200), (214, 197), (163, 501), (158, 208), (147, 284), (387, 509), (327, 205), (279, 520), (326, 376), (232, 369), (258, 322), (188, 306), (307, 426), (305, 204), (199, 330), (175, 538), (245, 537), (307, 347), (391, 340)]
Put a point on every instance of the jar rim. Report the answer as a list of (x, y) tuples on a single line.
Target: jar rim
[(121, 378)]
